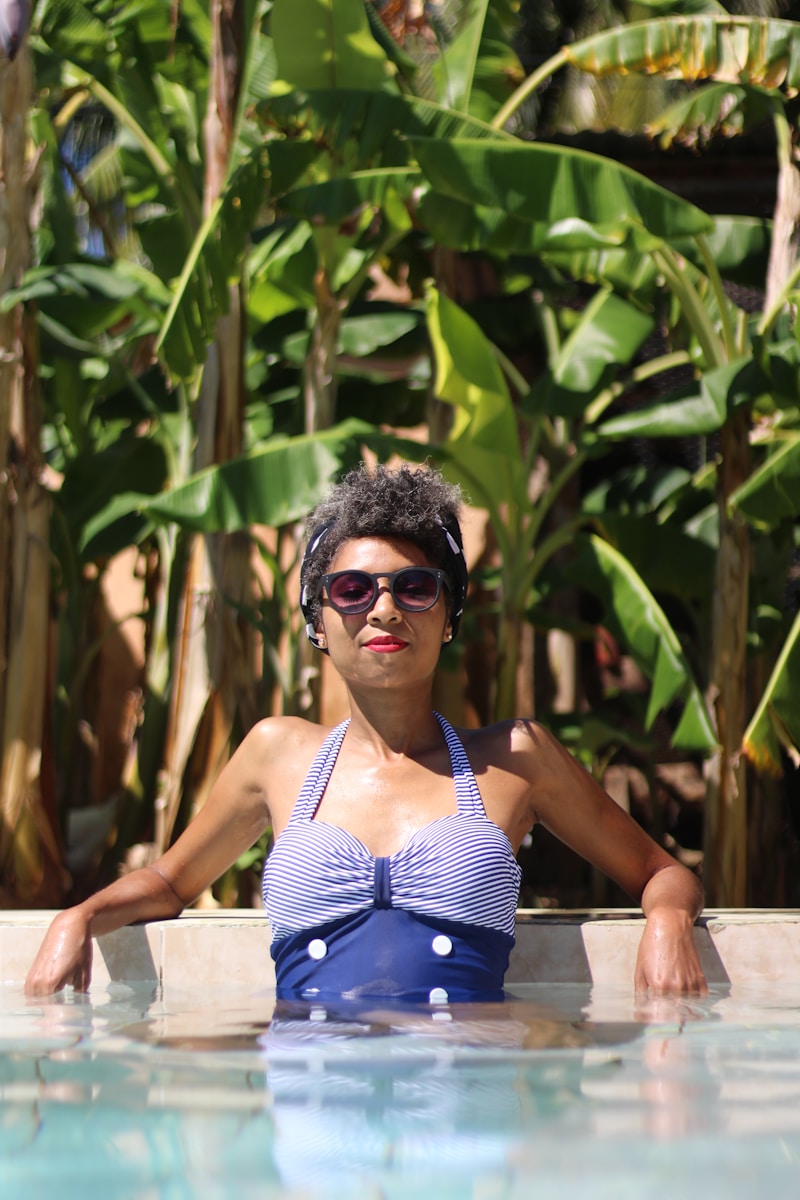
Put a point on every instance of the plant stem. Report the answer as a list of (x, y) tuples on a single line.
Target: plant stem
[(527, 87)]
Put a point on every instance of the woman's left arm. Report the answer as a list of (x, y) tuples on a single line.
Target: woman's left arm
[(667, 961), (573, 806)]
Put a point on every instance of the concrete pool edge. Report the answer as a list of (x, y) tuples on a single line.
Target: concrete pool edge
[(231, 947)]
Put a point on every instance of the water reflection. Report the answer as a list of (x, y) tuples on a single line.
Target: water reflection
[(178, 1095)]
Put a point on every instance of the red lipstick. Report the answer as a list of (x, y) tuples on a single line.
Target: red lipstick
[(386, 644)]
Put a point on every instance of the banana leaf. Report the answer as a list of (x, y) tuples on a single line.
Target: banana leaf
[(758, 51), (371, 125), (780, 362), (469, 376), (682, 8), (484, 442), (338, 200), (622, 267), (607, 336), (776, 721), (281, 271), (86, 299), (669, 560), (716, 109), (365, 333), (739, 246), (70, 26), (327, 43), (200, 294), (771, 494), (478, 70), (635, 618), (469, 227), (272, 485), (698, 409), (535, 182)]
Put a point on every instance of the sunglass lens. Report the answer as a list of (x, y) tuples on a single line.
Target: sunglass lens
[(351, 592), (416, 589)]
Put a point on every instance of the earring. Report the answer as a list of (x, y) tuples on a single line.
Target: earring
[(448, 637), (322, 641)]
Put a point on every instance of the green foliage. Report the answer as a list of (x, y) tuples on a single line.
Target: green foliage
[(343, 174), (325, 43), (279, 483)]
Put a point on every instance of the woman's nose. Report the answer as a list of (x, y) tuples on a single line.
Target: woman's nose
[(384, 607)]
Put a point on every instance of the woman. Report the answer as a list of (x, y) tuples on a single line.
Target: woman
[(393, 872)]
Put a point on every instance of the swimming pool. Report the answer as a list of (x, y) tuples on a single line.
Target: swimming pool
[(572, 1089), (573, 1092)]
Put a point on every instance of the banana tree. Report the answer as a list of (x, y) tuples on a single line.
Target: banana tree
[(485, 451), (339, 109), (417, 155), (132, 370), (746, 60), (30, 849), (213, 664)]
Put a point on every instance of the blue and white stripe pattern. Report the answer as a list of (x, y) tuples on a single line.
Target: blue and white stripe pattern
[(459, 868)]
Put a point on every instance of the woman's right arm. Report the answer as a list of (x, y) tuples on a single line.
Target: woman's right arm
[(65, 955), (232, 820)]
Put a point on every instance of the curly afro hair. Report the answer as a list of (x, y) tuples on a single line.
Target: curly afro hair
[(418, 505)]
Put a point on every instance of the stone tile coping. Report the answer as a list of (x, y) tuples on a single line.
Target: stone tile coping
[(231, 946)]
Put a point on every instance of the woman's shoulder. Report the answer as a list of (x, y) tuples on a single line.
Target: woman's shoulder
[(273, 760), (284, 738), (521, 748), (506, 739)]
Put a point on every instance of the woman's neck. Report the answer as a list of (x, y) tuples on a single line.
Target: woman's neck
[(394, 724)]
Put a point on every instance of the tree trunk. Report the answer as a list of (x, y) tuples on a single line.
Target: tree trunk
[(319, 376), (725, 838), (213, 676), (30, 850)]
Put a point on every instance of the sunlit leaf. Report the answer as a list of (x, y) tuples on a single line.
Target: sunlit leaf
[(754, 50), (484, 442), (478, 70), (273, 485), (536, 182), (634, 617), (469, 376), (327, 43), (776, 721)]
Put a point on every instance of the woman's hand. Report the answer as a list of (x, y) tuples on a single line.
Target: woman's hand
[(64, 957), (667, 963)]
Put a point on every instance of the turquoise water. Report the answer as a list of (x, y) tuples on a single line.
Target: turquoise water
[(564, 1092)]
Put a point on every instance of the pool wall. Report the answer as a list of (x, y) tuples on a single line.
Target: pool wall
[(231, 946)]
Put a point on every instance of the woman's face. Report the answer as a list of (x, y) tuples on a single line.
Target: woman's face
[(386, 644)]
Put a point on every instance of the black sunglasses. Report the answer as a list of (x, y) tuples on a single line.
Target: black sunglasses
[(414, 589)]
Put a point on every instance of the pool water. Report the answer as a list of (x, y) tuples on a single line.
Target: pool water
[(566, 1091)]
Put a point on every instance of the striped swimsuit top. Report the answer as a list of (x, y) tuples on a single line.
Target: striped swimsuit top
[(437, 916)]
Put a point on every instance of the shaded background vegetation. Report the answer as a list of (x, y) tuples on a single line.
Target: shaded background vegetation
[(245, 257)]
